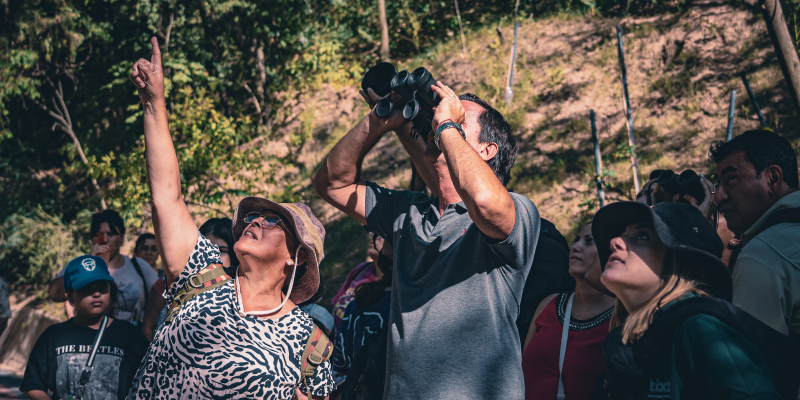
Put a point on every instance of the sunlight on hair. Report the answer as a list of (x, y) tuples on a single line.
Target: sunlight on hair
[(675, 284)]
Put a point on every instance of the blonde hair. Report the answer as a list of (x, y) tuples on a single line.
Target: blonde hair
[(675, 283)]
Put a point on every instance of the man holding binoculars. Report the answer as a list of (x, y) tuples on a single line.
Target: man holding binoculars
[(461, 258)]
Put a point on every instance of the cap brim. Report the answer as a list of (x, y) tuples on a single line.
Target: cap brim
[(611, 221), (82, 281), (716, 279), (307, 285)]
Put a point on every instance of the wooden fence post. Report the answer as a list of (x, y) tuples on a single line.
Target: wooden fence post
[(598, 161), (623, 75), (753, 99), (731, 115)]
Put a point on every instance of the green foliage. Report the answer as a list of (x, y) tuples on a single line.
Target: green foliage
[(555, 77), (624, 151), (36, 245), (208, 148), (13, 65)]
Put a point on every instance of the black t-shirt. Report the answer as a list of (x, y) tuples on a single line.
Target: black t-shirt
[(60, 354)]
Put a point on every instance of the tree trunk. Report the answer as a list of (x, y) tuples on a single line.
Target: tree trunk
[(384, 30), (784, 47), (261, 88)]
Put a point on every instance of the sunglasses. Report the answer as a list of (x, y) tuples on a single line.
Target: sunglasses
[(269, 221), (152, 248)]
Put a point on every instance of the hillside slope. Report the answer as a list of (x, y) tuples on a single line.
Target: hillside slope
[(681, 69)]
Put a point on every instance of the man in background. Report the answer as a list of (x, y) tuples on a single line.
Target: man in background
[(757, 194)]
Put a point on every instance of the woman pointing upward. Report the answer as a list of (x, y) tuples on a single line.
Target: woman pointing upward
[(229, 332)]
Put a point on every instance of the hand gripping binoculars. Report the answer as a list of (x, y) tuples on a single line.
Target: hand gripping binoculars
[(688, 182), (418, 100)]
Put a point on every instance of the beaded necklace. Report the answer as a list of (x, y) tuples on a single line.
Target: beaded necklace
[(578, 324)]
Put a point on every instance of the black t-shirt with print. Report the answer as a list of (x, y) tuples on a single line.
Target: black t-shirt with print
[(58, 358)]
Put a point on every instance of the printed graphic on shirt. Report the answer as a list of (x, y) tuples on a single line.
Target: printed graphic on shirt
[(658, 389), (104, 382)]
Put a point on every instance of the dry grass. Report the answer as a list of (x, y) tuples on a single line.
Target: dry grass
[(681, 68)]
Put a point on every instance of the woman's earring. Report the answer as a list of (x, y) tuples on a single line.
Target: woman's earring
[(289, 262)]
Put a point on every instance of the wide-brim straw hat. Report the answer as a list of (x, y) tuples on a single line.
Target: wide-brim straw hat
[(681, 228), (306, 228)]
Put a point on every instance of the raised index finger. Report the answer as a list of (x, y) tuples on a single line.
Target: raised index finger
[(155, 58)]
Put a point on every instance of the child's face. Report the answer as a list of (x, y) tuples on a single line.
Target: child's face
[(91, 300)]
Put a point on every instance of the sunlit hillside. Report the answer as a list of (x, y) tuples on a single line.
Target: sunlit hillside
[(681, 70)]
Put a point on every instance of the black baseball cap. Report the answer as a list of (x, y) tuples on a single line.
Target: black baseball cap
[(681, 227)]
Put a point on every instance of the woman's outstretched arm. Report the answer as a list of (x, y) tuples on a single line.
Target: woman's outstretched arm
[(176, 232)]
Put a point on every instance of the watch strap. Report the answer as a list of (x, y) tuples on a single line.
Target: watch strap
[(447, 125)]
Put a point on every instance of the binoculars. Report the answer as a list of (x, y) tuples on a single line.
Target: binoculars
[(688, 182), (413, 88)]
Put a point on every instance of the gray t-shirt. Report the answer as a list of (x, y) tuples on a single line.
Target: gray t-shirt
[(131, 288), (455, 298)]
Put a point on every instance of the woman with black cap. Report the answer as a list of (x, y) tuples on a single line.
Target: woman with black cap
[(229, 333), (670, 338)]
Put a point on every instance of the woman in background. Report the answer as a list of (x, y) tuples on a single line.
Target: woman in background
[(147, 250), (360, 344), (589, 320), (361, 274)]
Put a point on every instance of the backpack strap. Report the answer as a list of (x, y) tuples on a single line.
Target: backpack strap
[(141, 275), (318, 349), (787, 215), (208, 278)]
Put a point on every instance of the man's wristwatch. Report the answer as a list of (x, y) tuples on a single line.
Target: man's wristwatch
[(447, 125)]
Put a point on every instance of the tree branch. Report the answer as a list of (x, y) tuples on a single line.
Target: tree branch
[(169, 30), (61, 115), (228, 195), (252, 97)]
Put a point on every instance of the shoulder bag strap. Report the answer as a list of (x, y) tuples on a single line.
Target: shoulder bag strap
[(787, 215), (208, 278), (141, 275), (318, 349), (564, 335), (86, 375)]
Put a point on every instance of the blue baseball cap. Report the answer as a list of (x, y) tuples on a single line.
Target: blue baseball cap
[(84, 270)]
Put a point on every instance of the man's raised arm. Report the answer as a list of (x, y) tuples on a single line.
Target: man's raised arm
[(489, 204), (414, 145), (339, 181)]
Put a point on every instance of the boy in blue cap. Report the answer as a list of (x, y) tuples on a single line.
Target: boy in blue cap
[(58, 359)]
